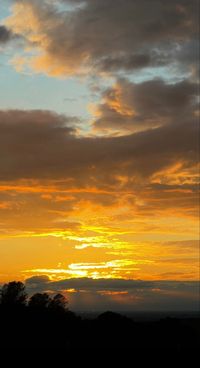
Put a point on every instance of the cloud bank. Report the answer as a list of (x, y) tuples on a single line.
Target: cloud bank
[(39, 144), (121, 295)]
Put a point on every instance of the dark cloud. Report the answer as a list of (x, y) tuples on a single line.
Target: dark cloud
[(111, 35), (110, 284), (41, 144), (133, 107), (156, 164), (121, 294), (36, 280), (5, 35), (90, 284), (130, 62)]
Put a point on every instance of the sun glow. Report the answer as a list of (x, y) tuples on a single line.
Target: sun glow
[(98, 142)]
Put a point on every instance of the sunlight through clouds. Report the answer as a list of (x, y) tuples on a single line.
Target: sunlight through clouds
[(99, 166)]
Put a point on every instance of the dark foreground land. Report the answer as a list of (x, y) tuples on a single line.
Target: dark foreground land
[(43, 323), (52, 329)]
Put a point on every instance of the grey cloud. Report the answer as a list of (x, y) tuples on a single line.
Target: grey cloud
[(5, 35), (145, 58), (36, 280), (134, 107), (129, 62), (88, 283), (141, 295), (39, 144), (107, 284), (118, 34)]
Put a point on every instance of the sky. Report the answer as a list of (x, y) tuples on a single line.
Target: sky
[(99, 151)]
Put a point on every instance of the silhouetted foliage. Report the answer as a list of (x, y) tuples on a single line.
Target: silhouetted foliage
[(39, 300), (58, 303), (13, 294), (46, 322)]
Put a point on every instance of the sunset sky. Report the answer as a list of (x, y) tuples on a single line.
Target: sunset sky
[(99, 151)]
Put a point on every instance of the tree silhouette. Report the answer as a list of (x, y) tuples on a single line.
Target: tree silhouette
[(58, 303), (13, 294), (39, 300), (46, 322)]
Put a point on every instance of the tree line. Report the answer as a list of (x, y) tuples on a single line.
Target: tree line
[(44, 321), (13, 294)]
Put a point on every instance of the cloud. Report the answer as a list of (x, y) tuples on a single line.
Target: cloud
[(121, 294), (133, 62), (5, 35), (112, 268), (66, 178), (129, 107), (39, 145), (36, 280), (28, 132), (109, 284), (147, 260), (103, 34), (133, 176)]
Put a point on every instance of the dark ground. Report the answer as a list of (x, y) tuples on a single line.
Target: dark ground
[(42, 328)]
